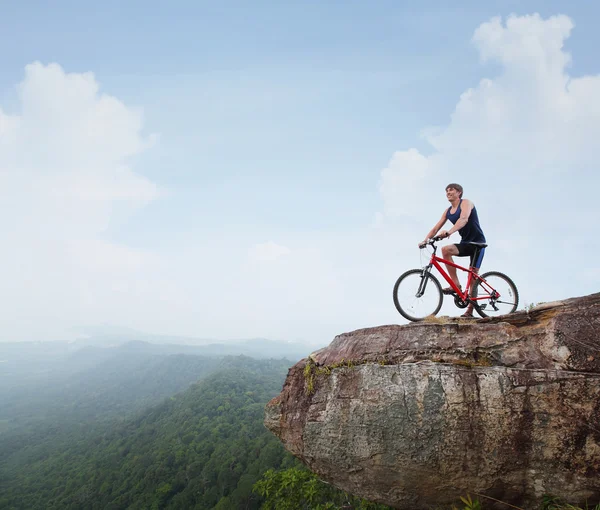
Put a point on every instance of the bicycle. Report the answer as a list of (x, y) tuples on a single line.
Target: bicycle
[(418, 293)]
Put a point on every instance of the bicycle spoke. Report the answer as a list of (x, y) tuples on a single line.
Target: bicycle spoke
[(416, 298), (496, 284)]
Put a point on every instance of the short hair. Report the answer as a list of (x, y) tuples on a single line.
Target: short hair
[(457, 187)]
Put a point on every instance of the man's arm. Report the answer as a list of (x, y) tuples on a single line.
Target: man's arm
[(437, 227)]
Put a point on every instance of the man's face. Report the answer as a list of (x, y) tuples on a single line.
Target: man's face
[(452, 194)]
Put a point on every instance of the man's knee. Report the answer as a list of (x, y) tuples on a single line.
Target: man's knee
[(449, 251)]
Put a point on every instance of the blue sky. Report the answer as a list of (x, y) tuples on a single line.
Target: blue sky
[(267, 201)]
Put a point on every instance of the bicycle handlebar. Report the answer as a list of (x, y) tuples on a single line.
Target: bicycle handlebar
[(431, 241)]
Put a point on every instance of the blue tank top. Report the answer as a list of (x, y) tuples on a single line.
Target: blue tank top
[(471, 232)]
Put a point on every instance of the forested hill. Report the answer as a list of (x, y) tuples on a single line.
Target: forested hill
[(111, 388), (143, 426), (64, 382), (202, 448)]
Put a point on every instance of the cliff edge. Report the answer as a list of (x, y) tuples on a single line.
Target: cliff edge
[(414, 416)]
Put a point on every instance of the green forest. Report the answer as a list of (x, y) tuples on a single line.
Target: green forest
[(153, 432)]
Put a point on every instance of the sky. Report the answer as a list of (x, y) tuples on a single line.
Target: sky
[(266, 169)]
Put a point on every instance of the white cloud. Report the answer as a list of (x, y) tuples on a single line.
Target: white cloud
[(523, 144), (398, 185), (64, 178), (64, 156), (268, 252)]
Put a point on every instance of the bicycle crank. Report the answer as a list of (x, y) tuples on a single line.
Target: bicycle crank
[(460, 303)]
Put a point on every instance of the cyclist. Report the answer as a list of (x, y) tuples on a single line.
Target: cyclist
[(463, 215)]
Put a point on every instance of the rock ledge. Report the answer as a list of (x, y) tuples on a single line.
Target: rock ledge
[(414, 416)]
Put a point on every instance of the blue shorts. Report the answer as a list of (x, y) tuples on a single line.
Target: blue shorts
[(470, 250)]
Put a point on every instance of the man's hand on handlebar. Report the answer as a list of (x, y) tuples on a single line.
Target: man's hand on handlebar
[(442, 235)]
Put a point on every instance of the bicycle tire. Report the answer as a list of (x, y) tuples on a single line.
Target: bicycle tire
[(433, 289), (511, 285)]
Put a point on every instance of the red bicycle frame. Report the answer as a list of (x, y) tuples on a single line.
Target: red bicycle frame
[(437, 263)]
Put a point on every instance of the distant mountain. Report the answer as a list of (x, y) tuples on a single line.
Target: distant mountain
[(91, 382), (109, 336), (29, 362), (111, 386), (253, 348)]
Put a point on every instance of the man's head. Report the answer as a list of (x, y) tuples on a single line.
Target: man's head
[(456, 187)]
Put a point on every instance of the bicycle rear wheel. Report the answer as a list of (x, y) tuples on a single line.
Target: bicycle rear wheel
[(500, 292), (417, 297)]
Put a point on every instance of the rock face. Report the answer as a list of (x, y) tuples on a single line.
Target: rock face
[(415, 416)]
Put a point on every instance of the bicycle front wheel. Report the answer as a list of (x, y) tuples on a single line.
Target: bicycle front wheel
[(496, 295), (417, 296)]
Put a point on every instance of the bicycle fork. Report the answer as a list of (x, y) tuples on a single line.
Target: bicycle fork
[(424, 280)]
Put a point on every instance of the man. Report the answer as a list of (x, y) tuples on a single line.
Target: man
[(463, 215)]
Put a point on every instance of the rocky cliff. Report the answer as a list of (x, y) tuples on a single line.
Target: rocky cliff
[(414, 416)]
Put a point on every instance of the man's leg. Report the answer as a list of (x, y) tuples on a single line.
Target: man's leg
[(472, 293), (448, 252), (476, 261)]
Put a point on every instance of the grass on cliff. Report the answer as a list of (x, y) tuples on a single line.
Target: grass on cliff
[(312, 371)]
